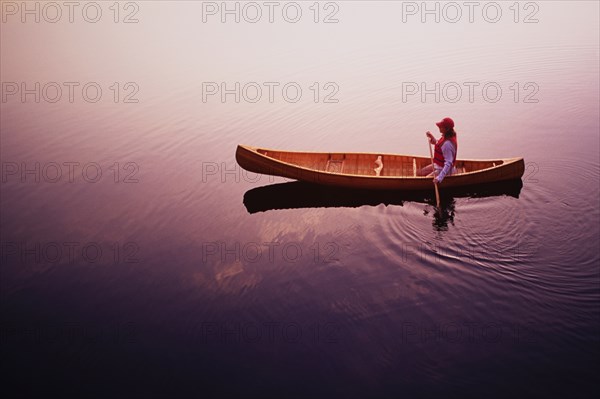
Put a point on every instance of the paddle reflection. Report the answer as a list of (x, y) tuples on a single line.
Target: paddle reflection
[(295, 195)]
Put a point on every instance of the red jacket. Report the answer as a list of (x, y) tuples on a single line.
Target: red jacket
[(438, 157)]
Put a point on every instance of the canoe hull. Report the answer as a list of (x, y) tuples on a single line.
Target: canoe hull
[(257, 160)]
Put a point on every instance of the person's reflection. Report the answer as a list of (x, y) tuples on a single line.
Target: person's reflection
[(443, 215)]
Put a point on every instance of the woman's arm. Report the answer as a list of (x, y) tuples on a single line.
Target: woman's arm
[(449, 154)]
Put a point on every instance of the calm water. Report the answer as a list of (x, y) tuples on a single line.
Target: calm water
[(139, 260)]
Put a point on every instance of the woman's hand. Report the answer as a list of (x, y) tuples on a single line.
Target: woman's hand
[(430, 137)]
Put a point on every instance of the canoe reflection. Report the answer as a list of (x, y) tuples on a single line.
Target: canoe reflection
[(296, 195)]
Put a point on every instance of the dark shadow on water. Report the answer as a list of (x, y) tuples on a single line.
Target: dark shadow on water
[(296, 195), (444, 215)]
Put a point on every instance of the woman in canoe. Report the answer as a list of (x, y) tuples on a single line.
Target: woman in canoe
[(446, 147)]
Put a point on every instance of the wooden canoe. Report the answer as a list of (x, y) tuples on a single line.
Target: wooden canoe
[(357, 170)]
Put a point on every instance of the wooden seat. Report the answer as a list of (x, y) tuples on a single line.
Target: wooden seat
[(335, 163)]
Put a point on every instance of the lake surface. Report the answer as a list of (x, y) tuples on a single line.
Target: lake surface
[(139, 260)]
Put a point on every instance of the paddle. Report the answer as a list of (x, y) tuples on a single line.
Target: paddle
[(437, 193)]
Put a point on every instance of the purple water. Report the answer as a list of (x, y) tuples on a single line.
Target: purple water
[(139, 260)]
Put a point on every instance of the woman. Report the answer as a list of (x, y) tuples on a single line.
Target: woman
[(445, 151)]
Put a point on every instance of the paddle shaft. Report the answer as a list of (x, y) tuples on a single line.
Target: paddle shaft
[(437, 192)]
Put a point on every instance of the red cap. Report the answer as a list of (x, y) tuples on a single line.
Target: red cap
[(447, 123)]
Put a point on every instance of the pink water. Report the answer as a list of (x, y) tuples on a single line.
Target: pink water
[(184, 260)]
